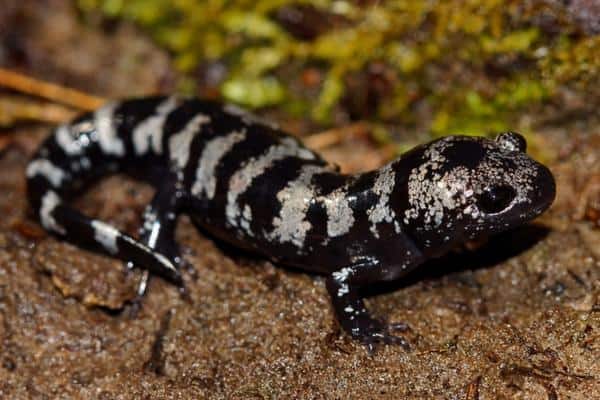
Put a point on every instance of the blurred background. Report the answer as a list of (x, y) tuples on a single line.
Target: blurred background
[(411, 70), (360, 81)]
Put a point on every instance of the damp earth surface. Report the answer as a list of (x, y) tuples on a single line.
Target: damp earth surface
[(517, 316)]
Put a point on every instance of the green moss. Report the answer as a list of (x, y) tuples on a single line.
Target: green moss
[(253, 92), (332, 91), (518, 41), (475, 64)]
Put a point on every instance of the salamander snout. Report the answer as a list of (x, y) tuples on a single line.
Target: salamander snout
[(544, 193), (510, 188), (544, 187)]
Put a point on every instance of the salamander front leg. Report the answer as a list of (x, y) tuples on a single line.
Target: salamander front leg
[(158, 228), (344, 288)]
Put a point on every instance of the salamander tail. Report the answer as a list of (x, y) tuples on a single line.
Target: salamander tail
[(66, 221)]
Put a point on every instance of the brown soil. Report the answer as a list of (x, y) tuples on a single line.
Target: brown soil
[(518, 317)]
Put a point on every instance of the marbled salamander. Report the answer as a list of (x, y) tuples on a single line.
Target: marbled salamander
[(249, 184)]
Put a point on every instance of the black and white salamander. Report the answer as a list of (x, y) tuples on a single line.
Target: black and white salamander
[(247, 183)]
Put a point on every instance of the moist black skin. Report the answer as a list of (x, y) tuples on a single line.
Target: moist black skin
[(247, 183)]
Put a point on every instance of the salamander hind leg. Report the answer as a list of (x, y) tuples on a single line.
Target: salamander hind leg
[(344, 288), (76, 227), (158, 226)]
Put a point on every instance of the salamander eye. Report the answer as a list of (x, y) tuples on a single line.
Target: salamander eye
[(495, 199)]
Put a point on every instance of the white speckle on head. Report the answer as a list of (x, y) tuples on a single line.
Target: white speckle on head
[(242, 179), (291, 224), (179, 144), (66, 140), (45, 168), (108, 138), (148, 133), (106, 235), (437, 191), (206, 180), (49, 202), (469, 210), (383, 187)]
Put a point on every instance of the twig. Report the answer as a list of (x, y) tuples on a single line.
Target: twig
[(473, 389), (330, 137), (156, 362), (15, 109), (51, 91)]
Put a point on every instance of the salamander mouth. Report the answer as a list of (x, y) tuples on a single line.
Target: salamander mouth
[(537, 201), (545, 193), (517, 213)]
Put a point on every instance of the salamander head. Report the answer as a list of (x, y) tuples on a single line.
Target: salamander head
[(468, 187)]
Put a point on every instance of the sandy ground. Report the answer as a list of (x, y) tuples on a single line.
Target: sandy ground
[(517, 318)]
